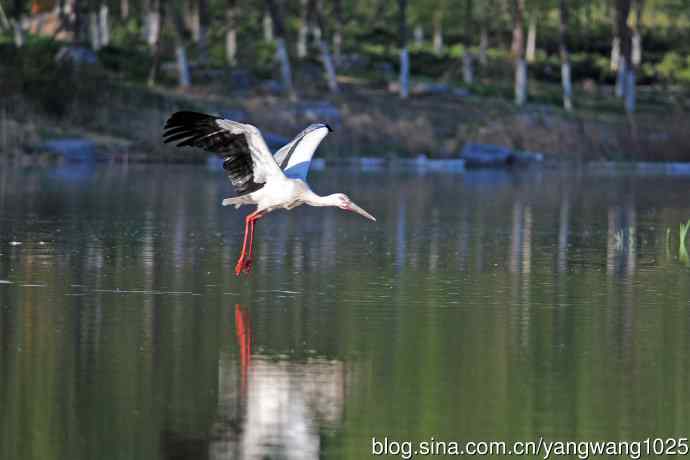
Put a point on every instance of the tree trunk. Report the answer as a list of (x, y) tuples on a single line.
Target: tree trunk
[(438, 31), (626, 82), (231, 15), (94, 27), (518, 49), (202, 40), (630, 90), (636, 36), (124, 9), (285, 69), (18, 33), (615, 52), (404, 56), (281, 49), (17, 15), (532, 38), (191, 18), (483, 45), (153, 23), (154, 18), (467, 57), (565, 56), (404, 73), (268, 27), (338, 32), (4, 22), (316, 32), (636, 48), (418, 35), (183, 77), (104, 24), (620, 78), (468, 67), (329, 68), (303, 30)]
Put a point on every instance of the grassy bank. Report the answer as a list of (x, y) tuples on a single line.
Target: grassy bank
[(41, 99)]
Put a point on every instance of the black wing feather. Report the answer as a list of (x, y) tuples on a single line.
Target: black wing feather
[(193, 129)]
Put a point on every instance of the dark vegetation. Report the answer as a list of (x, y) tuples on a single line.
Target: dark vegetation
[(124, 98)]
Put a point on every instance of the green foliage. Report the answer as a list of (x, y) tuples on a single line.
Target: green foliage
[(33, 72), (675, 68), (131, 63), (263, 59), (127, 34)]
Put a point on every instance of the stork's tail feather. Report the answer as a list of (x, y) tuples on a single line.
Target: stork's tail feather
[(237, 201)]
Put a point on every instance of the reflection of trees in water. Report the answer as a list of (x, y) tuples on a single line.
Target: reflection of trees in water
[(274, 407), (621, 241), (508, 288), (152, 216)]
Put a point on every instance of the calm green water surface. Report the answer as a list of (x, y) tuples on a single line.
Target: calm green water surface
[(480, 306)]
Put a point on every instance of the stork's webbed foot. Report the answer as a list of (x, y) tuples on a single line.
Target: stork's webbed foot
[(244, 265)]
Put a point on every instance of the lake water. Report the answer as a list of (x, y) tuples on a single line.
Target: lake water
[(480, 306)]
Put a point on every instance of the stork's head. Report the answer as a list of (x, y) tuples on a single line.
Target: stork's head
[(344, 202)]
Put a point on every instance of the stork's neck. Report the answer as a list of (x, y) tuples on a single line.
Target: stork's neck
[(312, 199)]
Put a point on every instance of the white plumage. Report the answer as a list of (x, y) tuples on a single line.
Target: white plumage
[(269, 181)]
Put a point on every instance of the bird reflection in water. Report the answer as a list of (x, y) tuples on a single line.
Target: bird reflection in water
[(243, 332), (282, 404)]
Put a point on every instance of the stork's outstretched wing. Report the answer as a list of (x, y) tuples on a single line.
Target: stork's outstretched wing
[(295, 157), (248, 162)]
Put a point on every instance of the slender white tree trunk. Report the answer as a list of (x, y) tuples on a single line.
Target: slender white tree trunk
[(620, 78), (404, 73), (231, 47), (337, 44), (518, 50), (565, 55), (303, 30), (615, 52), (316, 33), (636, 57), (418, 35), (328, 67), (531, 50), (285, 70), (468, 67), (438, 32), (153, 27), (268, 27), (520, 81), (636, 48), (4, 22), (94, 31), (567, 86), (193, 20), (231, 34), (630, 89), (104, 25), (483, 45), (183, 79), (18, 33)]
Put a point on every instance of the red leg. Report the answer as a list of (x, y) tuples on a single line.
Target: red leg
[(244, 264), (248, 262), (240, 262)]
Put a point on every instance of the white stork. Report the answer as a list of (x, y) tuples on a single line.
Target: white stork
[(269, 181)]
